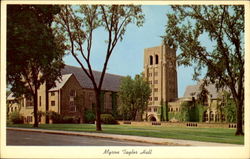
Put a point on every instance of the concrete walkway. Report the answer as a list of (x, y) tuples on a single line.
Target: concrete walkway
[(154, 140)]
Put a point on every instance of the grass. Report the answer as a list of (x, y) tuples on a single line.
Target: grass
[(220, 135)]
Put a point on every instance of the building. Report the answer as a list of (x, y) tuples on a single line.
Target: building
[(64, 97), (211, 109), (160, 71)]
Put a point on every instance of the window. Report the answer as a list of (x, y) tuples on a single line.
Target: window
[(156, 59), (216, 117), (40, 101), (52, 93), (205, 116), (156, 73), (29, 102), (72, 93), (71, 103), (155, 98), (171, 110), (155, 109), (72, 106), (211, 116), (156, 82), (156, 89), (29, 119), (53, 103), (223, 117), (151, 60)]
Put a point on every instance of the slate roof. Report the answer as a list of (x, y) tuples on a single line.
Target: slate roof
[(61, 82), (194, 90), (111, 82)]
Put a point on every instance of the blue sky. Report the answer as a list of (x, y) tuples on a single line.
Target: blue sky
[(127, 57)]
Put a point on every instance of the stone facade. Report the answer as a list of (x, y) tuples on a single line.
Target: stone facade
[(65, 99), (160, 71)]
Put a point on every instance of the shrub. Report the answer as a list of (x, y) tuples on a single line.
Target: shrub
[(56, 117), (59, 119), (89, 116), (108, 119), (16, 118), (69, 120)]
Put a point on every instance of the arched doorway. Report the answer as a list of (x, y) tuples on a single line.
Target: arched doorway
[(152, 118)]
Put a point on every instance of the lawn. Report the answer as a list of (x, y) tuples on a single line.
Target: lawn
[(220, 135)]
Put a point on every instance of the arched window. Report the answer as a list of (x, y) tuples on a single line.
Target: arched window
[(156, 59), (151, 60), (211, 116), (205, 116)]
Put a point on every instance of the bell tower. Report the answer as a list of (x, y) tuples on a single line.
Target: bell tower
[(160, 70)]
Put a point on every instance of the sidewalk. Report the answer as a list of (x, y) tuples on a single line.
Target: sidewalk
[(153, 140)]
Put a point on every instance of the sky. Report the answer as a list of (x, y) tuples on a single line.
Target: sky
[(127, 57)]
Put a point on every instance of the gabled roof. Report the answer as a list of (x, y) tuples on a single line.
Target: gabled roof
[(61, 82), (111, 82), (194, 90)]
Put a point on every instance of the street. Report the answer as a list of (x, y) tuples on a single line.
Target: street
[(23, 138)]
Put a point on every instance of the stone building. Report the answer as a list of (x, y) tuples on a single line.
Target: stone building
[(211, 109), (160, 71), (64, 97)]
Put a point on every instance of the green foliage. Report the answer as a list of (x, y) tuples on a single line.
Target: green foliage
[(34, 53), (185, 111), (176, 115), (15, 118), (89, 116), (230, 111), (108, 119), (77, 24), (223, 25), (61, 119), (134, 95), (191, 112)]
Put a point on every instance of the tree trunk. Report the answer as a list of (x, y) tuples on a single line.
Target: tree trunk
[(35, 109), (47, 104), (239, 130), (98, 110)]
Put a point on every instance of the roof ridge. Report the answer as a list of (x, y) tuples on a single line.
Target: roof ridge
[(96, 71)]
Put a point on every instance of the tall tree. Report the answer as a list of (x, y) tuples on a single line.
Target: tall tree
[(77, 24), (224, 27), (34, 54), (134, 95)]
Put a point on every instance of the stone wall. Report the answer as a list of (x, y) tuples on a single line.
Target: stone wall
[(179, 124)]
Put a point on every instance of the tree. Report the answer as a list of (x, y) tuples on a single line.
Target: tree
[(34, 54), (224, 27), (134, 95), (77, 24)]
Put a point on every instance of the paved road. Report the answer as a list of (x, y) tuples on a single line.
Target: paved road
[(23, 138)]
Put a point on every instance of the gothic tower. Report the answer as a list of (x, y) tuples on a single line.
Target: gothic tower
[(160, 71)]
